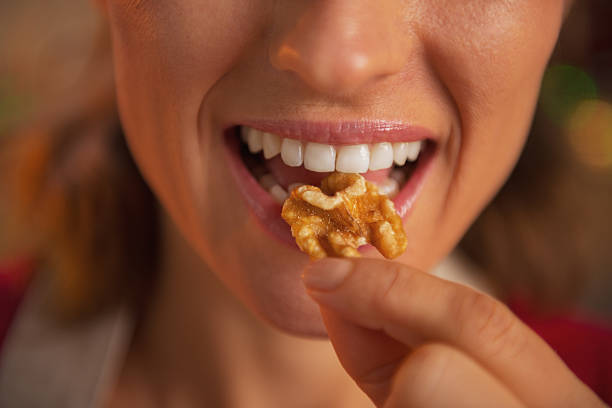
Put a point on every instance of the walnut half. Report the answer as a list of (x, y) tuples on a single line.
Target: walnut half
[(345, 213)]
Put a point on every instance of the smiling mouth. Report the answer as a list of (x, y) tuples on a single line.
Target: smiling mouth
[(270, 159)]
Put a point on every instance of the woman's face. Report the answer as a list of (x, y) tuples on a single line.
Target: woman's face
[(460, 76)]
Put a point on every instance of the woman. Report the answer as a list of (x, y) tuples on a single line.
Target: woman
[(453, 85)]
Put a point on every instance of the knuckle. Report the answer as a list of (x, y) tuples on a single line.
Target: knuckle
[(490, 325), (421, 373), (390, 299)]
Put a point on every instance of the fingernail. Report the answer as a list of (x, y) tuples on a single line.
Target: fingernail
[(326, 274)]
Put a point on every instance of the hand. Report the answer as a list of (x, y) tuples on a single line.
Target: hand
[(410, 339)]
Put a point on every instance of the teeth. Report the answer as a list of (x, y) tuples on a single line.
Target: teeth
[(278, 193), (320, 157), (381, 156), (244, 134), (414, 148), (271, 145), (292, 152), (267, 181), (254, 138), (389, 187), (353, 159), (400, 153), (406, 151)]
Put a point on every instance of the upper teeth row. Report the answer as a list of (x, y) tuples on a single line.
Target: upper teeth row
[(323, 157)]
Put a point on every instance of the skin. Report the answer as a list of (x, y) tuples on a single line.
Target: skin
[(469, 71)]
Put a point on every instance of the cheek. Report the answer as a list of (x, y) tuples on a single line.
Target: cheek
[(168, 55), (490, 56), (491, 61), (168, 59)]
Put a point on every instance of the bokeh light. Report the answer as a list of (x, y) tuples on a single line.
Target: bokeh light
[(563, 88), (589, 130)]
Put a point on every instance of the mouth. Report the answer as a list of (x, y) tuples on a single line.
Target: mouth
[(270, 159)]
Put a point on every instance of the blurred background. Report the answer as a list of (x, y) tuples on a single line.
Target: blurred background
[(566, 168), (44, 47)]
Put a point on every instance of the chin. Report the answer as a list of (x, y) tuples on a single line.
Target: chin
[(275, 294)]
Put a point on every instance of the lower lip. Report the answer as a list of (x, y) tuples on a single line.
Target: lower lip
[(267, 211)]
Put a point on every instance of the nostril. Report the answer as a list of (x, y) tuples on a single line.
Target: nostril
[(285, 58)]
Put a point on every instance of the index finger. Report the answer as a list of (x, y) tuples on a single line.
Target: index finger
[(414, 307)]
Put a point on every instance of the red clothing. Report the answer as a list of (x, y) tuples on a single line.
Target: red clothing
[(586, 347), (14, 277)]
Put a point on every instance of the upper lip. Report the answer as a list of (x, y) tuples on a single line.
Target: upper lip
[(343, 133)]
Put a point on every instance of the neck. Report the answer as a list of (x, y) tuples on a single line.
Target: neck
[(198, 345)]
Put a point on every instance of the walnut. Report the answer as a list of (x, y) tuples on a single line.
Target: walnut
[(345, 213)]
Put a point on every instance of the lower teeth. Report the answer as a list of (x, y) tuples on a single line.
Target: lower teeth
[(390, 187), (269, 183), (278, 193)]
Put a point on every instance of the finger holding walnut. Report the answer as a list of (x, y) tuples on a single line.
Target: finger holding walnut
[(345, 213)]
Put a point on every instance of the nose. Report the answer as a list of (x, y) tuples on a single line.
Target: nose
[(339, 46)]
